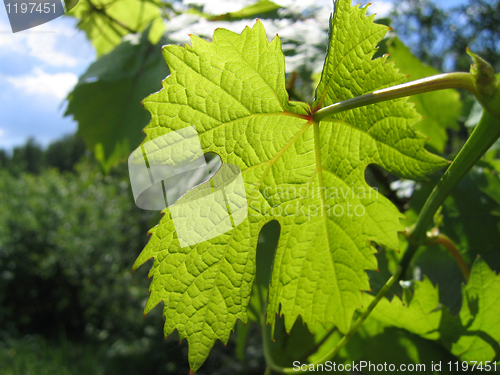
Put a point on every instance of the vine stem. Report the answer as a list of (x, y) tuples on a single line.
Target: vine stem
[(419, 86), (482, 138), (272, 366)]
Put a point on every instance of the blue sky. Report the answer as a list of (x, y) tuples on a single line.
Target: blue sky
[(38, 68)]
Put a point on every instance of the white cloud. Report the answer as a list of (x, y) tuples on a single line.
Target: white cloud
[(43, 42), (220, 6), (55, 86), (381, 8)]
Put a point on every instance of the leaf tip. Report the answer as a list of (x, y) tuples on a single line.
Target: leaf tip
[(258, 22)]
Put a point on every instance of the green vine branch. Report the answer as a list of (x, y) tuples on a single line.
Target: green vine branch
[(482, 138), (420, 86)]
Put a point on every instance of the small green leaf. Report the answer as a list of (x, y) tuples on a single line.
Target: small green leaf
[(259, 9), (483, 75), (419, 316), (479, 334)]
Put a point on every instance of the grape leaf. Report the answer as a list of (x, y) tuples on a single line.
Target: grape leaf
[(105, 22), (106, 101), (371, 343), (296, 171), (478, 335), (473, 335), (420, 315)]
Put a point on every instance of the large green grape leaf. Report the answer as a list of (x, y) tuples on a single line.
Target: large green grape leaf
[(472, 335), (106, 22), (308, 176)]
